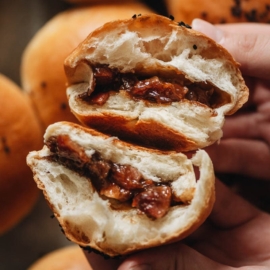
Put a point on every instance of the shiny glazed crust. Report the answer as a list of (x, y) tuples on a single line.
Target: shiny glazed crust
[(89, 221), (153, 44)]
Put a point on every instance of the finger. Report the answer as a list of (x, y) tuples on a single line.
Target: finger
[(174, 257), (248, 43), (230, 210), (98, 262), (236, 232), (243, 126), (239, 156)]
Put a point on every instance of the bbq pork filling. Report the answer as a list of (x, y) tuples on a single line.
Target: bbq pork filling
[(159, 89), (123, 185)]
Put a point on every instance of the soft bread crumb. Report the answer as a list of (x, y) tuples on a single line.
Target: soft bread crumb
[(87, 219)]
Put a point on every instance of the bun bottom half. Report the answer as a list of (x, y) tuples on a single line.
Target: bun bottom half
[(92, 221)]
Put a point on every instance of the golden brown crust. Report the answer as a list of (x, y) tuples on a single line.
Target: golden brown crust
[(19, 133), (145, 133), (220, 11), (139, 22), (42, 73), (70, 257)]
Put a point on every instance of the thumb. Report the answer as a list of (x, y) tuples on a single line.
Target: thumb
[(248, 43), (172, 257)]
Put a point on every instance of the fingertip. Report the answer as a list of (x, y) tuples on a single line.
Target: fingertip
[(197, 24), (208, 29)]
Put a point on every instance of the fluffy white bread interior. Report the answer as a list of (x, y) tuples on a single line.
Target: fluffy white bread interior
[(153, 44), (88, 220)]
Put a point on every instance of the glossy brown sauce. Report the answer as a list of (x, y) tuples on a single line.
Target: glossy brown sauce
[(122, 184), (153, 89)]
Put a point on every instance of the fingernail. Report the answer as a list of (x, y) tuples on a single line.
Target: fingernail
[(141, 267), (208, 29)]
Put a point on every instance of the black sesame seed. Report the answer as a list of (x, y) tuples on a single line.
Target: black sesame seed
[(222, 21), (236, 11), (52, 216), (204, 15), (171, 17), (6, 149), (252, 15), (43, 84), (139, 15), (181, 24), (5, 146), (188, 26), (195, 47), (134, 16), (63, 106)]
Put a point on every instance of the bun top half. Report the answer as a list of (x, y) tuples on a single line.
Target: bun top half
[(154, 46), (112, 227)]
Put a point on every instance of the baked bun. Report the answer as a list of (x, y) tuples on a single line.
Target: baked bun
[(228, 11), (66, 258), (155, 82), (117, 198), (42, 72), (97, 1), (19, 133)]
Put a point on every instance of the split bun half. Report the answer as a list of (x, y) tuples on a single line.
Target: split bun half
[(97, 222), (155, 49)]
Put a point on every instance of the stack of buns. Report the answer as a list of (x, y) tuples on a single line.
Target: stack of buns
[(149, 93)]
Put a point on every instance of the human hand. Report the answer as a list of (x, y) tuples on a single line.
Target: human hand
[(235, 235), (245, 146)]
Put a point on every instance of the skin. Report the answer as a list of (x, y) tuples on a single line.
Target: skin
[(236, 234), (247, 132)]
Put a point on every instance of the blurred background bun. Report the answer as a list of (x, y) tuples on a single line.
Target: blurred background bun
[(42, 73), (214, 11), (20, 133), (97, 1), (66, 258)]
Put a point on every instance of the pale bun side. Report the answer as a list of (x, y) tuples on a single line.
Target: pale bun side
[(89, 220), (229, 11), (19, 133), (155, 45), (42, 73), (65, 258)]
